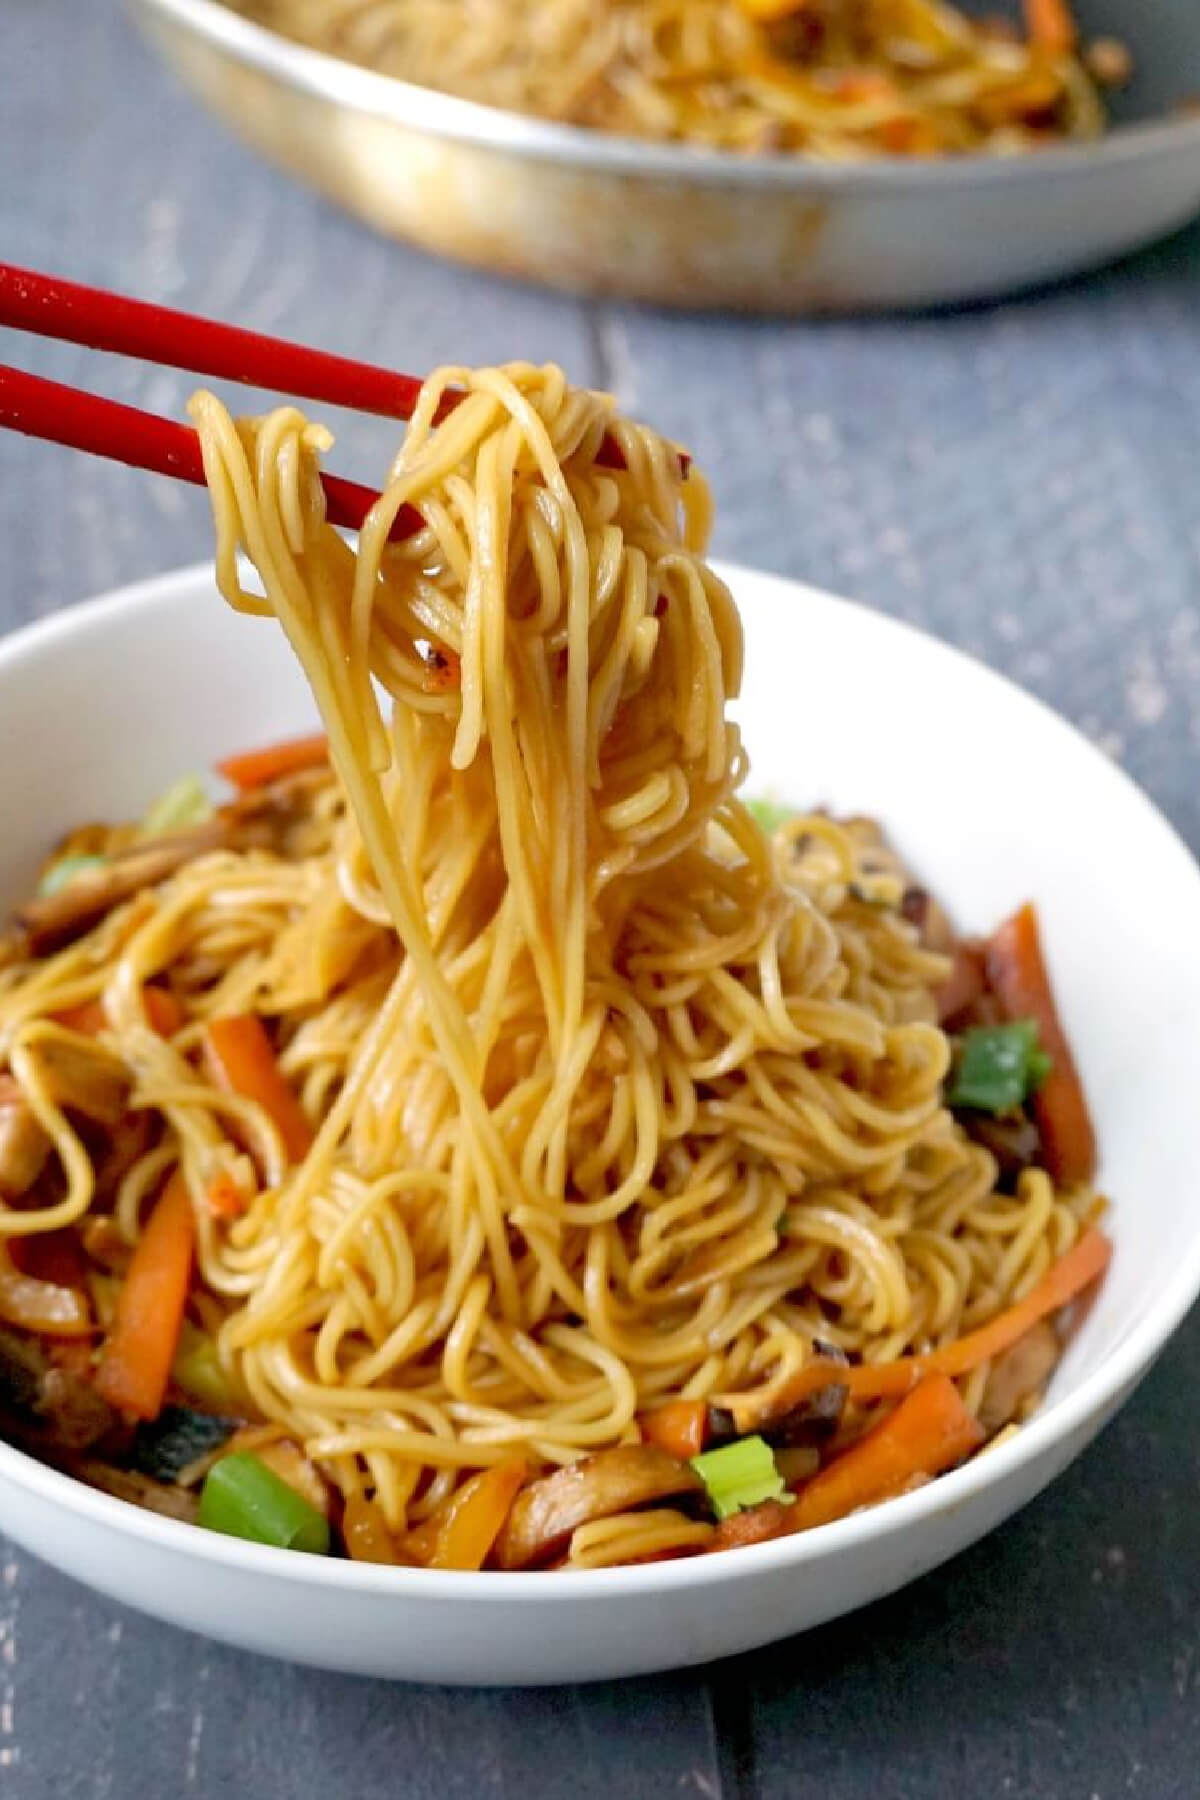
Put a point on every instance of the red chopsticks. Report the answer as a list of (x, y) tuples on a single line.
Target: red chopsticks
[(54, 308), (65, 415)]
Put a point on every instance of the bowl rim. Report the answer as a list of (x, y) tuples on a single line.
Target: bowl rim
[(472, 123), (1056, 1423)]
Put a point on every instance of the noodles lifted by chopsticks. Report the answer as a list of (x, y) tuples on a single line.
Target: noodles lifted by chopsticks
[(519, 1079), (835, 79)]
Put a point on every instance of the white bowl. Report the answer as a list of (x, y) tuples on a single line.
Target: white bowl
[(990, 796)]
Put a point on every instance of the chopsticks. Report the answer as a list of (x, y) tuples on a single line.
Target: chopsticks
[(51, 307), (71, 312), (65, 415)]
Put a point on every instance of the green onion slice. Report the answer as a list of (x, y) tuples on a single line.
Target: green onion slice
[(185, 802), (738, 1475), (243, 1498), (770, 813), (998, 1067)]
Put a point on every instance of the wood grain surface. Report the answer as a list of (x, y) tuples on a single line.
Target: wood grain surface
[(1023, 480)]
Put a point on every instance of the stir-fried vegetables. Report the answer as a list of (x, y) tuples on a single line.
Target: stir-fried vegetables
[(135, 1362), (197, 1369), (999, 1067), (163, 1014), (680, 1427), (710, 1474), (1017, 974), (739, 1475), (473, 1518), (928, 1433), (365, 1533), (256, 768), (1083, 1264), (770, 814), (243, 1062), (1051, 26), (243, 1498), (167, 1447), (185, 802)]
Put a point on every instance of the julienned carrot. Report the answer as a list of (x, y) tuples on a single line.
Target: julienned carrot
[(1018, 977), (928, 1433), (243, 1062), (1051, 26), (755, 1525), (163, 1012), (471, 1522), (255, 768), (680, 1427), (1083, 1264), (135, 1362)]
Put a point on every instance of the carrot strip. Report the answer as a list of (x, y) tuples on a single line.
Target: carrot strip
[(928, 1433), (471, 1521), (1051, 26), (255, 768), (680, 1428), (163, 1012), (755, 1525), (964, 984), (419, 1544), (1083, 1263), (1018, 976), (135, 1362), (243, 1062)]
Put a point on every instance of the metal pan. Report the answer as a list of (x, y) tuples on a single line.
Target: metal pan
[(599, 214)]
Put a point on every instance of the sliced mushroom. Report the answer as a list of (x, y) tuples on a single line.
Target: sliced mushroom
[(261, 820), (83, 1077), (24, 1146), (804, 1427), (53, 920), (267, 817), (545, 1513), (1014, 1142), (47, 1405), (127, 1484), (1018, 1375)]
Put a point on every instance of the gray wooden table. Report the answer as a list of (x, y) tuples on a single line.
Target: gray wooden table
[(1023, 480)]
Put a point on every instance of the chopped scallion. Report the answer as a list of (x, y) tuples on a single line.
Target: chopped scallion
[(198, 1370), (998, 1067), (243, 1498), (770, 814), (185, 803), (738, 1475)]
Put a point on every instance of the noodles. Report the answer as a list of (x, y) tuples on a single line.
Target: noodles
[(834, 79), (613, 1098)]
